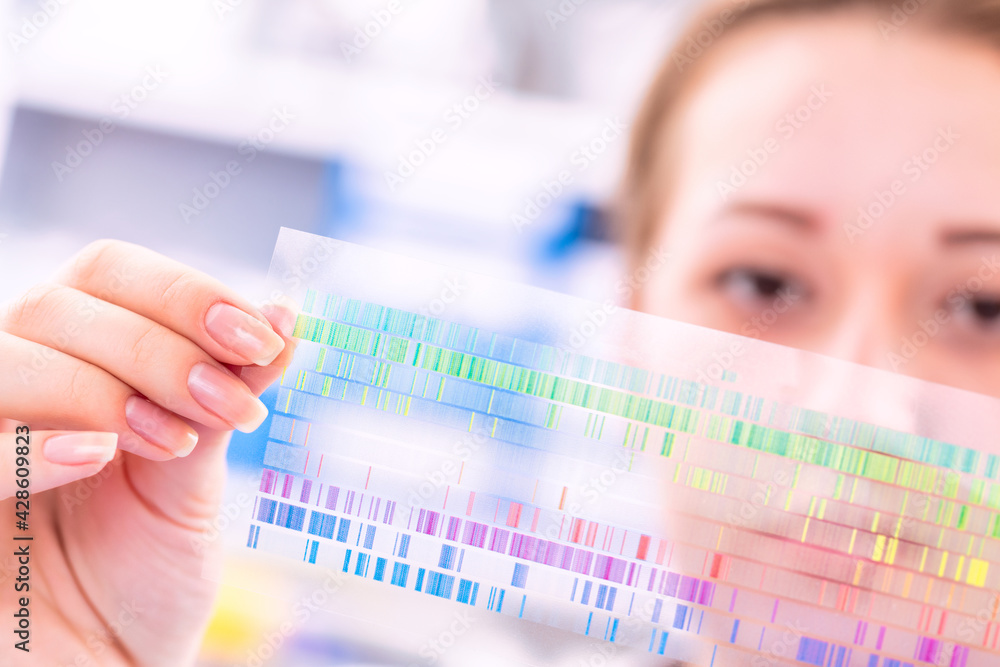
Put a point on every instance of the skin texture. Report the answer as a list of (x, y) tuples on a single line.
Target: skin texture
[(119, 547), (902, 129)]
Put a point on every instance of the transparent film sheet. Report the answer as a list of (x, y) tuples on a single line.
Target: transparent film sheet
[(453, 444)]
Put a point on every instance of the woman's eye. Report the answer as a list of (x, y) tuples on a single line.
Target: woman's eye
[(980, 312), (986, 311), (755, 285)]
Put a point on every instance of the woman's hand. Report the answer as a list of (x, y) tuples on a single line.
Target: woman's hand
[(131, 370)]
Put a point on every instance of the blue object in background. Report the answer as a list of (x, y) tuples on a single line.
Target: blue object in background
[(246, 450)]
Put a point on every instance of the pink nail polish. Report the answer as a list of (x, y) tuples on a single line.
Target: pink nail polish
[(76, 449), (242, 334), (226, 396), (159, 427)]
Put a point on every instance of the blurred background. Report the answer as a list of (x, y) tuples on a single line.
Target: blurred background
[(485, 134)]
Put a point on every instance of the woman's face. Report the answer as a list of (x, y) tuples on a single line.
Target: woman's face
[(838, 190)]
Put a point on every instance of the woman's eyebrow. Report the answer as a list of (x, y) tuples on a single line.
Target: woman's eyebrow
[(971, 236), (772, 213)]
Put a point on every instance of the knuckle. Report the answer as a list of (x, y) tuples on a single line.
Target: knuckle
[(147, 343), (33, 308), (79, 383), (93, 261), (178, 288)]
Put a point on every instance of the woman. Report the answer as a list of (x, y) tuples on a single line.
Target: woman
[(833, 162), (822, 171)]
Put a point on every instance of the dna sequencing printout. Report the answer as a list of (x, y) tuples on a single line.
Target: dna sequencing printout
[(568, 474)]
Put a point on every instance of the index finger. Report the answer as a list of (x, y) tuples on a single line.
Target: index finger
[(191, 303)]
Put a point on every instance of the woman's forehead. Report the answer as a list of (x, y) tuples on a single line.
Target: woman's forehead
[(835, 93), (829, 108)]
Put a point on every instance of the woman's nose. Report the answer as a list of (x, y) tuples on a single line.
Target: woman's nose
[(865, 335), (864, 332)]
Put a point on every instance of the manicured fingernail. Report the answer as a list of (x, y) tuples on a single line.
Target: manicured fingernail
[(159, 426), (242, 334), (226, 396), (77, 449)]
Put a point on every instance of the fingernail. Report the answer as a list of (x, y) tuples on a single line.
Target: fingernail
[(77, 449), (242, 334), (159, 427), (226, 396)]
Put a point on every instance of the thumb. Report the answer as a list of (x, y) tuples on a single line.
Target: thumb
[(281, 314), (36, 461)]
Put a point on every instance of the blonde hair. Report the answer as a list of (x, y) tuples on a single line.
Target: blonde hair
[(645, 189)]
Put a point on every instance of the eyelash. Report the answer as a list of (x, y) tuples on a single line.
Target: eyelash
[(984, 309), (754, 278)]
